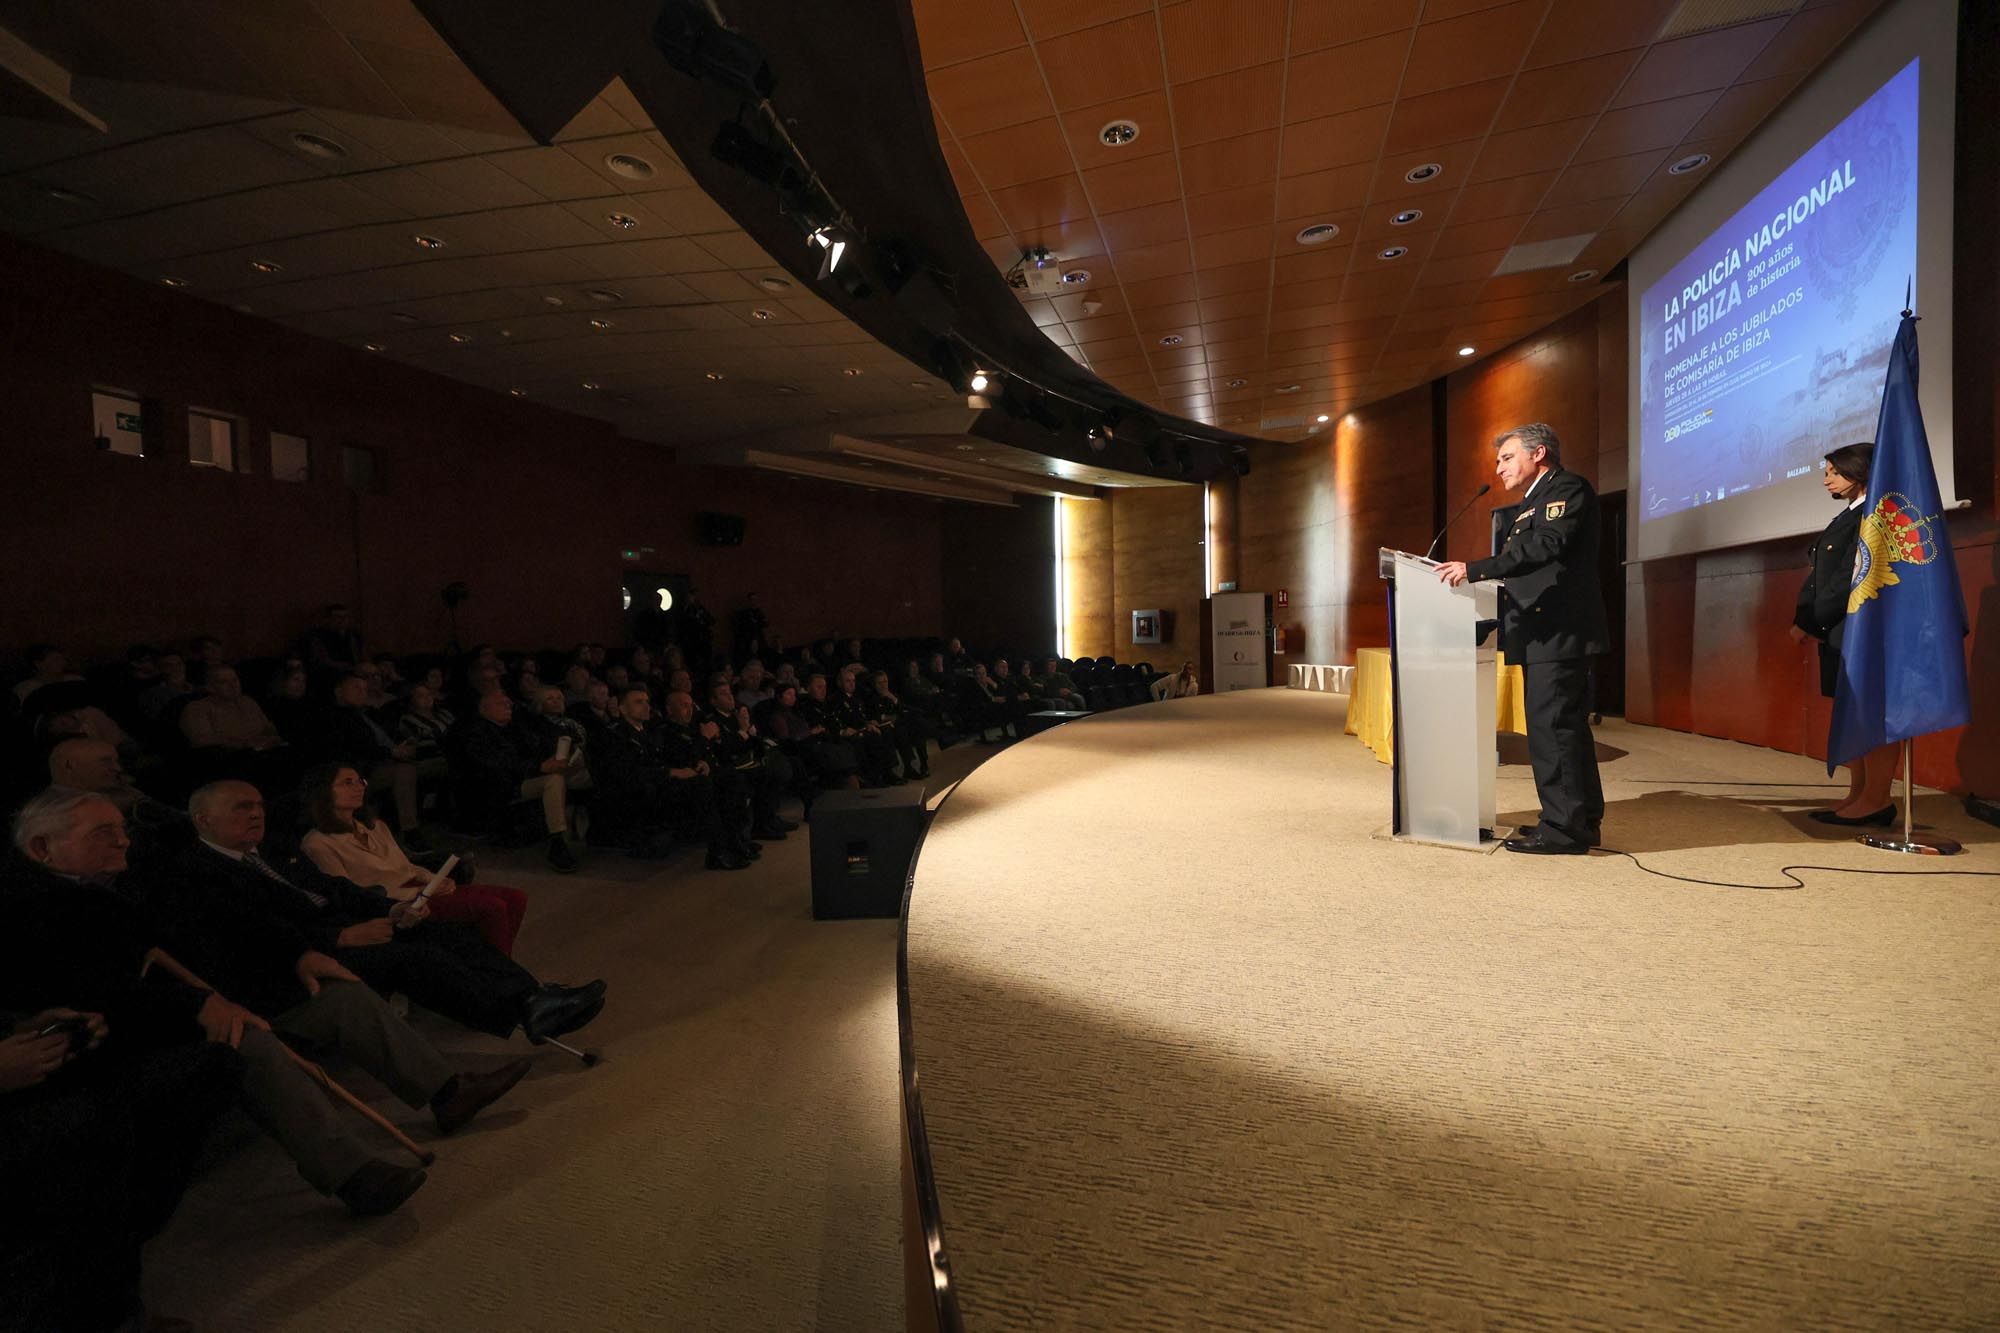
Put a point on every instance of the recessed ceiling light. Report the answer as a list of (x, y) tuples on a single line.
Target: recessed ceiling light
[(1583, 275), (629, 165), (919, 384), (1289, 388), (1406, 217), (605, 296), (1393, 252), (1467, 351), (965, 448), (592, 384), (403, 317), (1322, 418), (850, 371), (506, 333), (1428, 171), (713, 375), (979, 382), (1235, 383), (65, 196), (1317, 234), (518, 393), (774, 284), (552, 300), (173, 282), (600, 323), (622, 221), (1693, 162), (315, 145), (1118, 133), (266, 265), (786, 389), (760, 314), (1171, 340), (428, 242), (1076, 277), (371, 347), (461, 337)]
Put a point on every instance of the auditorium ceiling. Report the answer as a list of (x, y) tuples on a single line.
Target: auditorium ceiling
[(296, 160), (1483, 167)]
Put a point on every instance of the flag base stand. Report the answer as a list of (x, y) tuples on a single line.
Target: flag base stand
[(1911, 841)]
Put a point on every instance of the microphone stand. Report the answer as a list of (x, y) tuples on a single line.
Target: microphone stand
[(1430, 552)]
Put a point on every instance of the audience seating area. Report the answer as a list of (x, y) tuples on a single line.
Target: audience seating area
[(208, 841)]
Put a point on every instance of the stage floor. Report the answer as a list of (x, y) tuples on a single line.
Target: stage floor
[(1199, 1048)]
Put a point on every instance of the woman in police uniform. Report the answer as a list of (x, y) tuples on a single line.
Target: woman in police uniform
[(1821, 614)]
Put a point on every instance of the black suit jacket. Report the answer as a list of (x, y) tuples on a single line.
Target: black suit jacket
[(1553, 605), (1822, 606)]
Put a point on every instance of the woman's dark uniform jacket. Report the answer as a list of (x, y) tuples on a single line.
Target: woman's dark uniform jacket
[(1822, 608)]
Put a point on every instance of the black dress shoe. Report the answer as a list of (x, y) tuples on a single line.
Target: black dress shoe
[(590, 988), (561, 859), (379, 1187), (469, 1094), (748, 849), (1540, 846), (768, 833), (545, 1015), (721, 858), (1879, 819)]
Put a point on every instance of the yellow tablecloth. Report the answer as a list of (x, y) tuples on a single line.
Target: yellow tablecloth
[(1371, 713)]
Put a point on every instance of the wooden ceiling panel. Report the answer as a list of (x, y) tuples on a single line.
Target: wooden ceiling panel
[(1455, 161), (1308, 265), (1209, 37), (1334, 141), (1018, 154), (1576, 29), (1229, 210), (1614, 177), (1346, 78), (1134, 184), (1160, 291), (1472, 238), (952, 31), (1228, 163), (1635, 129), (990, 93), (1148, 111), (1527, 152), (1316, 25), (1053, 18), (1698, 64), (1042, 203), (1564, 92), (1153, 225), (1486, 44), (1227, 106), (1808, 39), (1157, 320), (1446, 117), (1111, 60), (1251, 275), (1156, 261), (1232, 247), (1333, 191), (1503, 197)]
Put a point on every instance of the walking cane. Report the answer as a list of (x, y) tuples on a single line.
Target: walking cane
[(424, 1156)]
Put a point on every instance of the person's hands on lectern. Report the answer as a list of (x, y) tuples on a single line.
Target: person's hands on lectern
[(1452, 572)]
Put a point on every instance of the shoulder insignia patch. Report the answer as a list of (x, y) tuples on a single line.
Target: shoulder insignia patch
[(1554, 509)]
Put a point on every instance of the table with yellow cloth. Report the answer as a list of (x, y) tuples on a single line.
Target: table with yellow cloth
[(1371, 712)]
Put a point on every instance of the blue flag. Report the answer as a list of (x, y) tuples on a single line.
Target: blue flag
[(1902, 652)]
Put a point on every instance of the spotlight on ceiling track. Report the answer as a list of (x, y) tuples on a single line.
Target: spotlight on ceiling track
[(1239, 459), (833, 246), (979, 382), (696, 45)]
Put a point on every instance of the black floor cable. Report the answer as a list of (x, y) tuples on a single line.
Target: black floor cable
[(1797, 883)]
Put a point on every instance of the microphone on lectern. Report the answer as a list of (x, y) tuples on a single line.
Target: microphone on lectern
[(1430, 552)]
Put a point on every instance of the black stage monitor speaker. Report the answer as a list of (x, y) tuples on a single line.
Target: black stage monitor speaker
[(721, 529), (862, 845)]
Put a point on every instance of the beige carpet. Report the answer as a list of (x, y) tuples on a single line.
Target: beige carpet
[(733, 1164), (1198, 1050)]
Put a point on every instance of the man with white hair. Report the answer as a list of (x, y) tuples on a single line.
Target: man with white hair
[(73, 939)]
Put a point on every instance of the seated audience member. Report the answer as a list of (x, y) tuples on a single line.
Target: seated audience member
[(423, 726), (289, 706), (1057, 689), (232, 729), (757, 774), (905, 728), (981, 704), (333, 647), (1179, 685), (64, 708), (547, 723), (753, 687), (206, 651), (96, 1149), (1012, 690), (596, 711), (434, 681), (851, 656), (157, 830), (576, 684), (680, 681), (854, 722), (446, 966), (831, 756), (816, 758), (345, 839), (351, 735), (392, 673), (787, 675), (77, 932), (956, 658), (379, 694), (46, 666), (141, 673), (493, 768), (160, 700), (688, 741), (527, 682), (642, 787)]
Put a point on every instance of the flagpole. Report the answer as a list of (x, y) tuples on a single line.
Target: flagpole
[(1928, 844)]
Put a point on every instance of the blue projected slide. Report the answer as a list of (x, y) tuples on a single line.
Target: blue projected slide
[(1766, 346)]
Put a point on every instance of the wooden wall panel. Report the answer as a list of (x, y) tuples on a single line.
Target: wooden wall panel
[(1157, 560), (1087, 629)]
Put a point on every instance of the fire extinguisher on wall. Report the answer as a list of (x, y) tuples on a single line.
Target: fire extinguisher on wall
[(1278, 641)]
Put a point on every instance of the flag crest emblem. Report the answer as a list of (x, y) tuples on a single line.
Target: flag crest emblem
[(1895, 532)]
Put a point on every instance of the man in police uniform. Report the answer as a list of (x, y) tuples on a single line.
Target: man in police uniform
[(1552, 624)]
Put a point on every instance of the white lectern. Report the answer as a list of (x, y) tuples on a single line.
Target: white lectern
[(1442, 643)]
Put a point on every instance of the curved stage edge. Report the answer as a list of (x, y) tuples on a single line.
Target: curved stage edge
[(1201, 1047)]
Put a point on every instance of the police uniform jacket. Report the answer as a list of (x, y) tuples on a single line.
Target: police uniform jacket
[(1552, 607), (1822, 605)]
